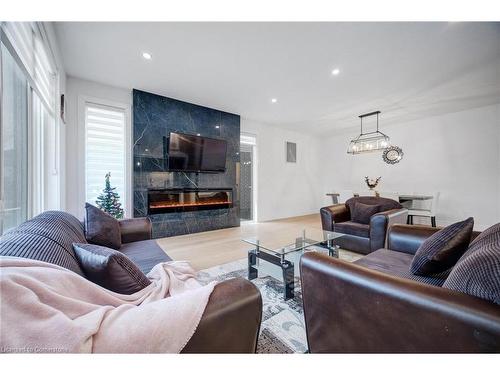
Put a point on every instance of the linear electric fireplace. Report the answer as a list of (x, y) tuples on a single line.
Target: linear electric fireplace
[(186, 199)]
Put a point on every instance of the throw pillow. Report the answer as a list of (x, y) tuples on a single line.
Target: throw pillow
[(443, 249), (102, 228), (38, 247), (110, 268), (47, 237), (478, 272), (363, 212)]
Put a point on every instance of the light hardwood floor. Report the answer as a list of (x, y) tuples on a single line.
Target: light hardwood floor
[(208, 249)]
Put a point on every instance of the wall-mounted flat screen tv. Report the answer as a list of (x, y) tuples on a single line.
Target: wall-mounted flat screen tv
[(191, 153)]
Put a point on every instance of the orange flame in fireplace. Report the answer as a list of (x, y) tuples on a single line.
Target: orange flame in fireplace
[(179, 204)]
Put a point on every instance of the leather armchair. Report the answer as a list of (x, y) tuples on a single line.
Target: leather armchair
[(362, 238), (338, 213), (349, 308)]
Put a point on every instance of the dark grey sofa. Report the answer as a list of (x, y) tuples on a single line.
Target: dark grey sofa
[(56, 231), (138, 245), (231, 321)]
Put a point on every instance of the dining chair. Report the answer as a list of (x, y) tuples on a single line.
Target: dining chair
[(429, 211), (408, 204)]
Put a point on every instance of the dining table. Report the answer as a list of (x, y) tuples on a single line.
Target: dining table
[(414, 197)]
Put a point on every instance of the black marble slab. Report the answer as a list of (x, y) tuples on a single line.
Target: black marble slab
[(155, 117)]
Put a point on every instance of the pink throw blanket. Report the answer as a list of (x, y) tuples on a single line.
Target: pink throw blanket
[(46, 308)]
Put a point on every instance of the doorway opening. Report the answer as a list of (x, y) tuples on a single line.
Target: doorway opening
[(248, 178)]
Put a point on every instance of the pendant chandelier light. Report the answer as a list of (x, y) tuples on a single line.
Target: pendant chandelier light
[(369, 142)]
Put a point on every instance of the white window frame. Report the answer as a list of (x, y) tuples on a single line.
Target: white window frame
[(82, 102)]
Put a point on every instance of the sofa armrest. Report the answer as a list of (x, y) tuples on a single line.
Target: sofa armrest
[(408, 238), (231, 321), (381, 222), (337, 213), (352, 309), (136, 229)]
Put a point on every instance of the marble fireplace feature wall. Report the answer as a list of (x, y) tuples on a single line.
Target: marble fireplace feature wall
[(154, 118)]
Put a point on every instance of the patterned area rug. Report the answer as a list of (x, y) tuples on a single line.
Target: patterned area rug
[(283, 328)]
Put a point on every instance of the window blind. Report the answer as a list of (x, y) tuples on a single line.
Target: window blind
[(27, 41), (104, 150)]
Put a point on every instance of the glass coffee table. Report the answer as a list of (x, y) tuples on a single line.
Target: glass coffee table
[(282, 253)]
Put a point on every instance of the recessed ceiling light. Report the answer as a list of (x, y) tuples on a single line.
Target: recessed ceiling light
[(274, 100), (335, 72), (147, 55)]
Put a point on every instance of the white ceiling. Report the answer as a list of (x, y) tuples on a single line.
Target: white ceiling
[(406, 70)]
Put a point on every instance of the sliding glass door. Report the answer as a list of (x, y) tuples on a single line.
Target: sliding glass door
[(29, 132), (13, 143)]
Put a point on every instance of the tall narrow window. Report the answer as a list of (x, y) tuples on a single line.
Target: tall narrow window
[(104, 150), (44, 160), (29, 158), (14, 208)]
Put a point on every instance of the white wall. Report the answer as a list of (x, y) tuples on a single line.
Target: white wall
[(76, 89), (456, 154), (285, 189)]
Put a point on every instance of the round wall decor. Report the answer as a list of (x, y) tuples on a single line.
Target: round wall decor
[(392, 154)]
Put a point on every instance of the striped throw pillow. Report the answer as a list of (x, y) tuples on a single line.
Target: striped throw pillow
[(478, 272), (47, 237)]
